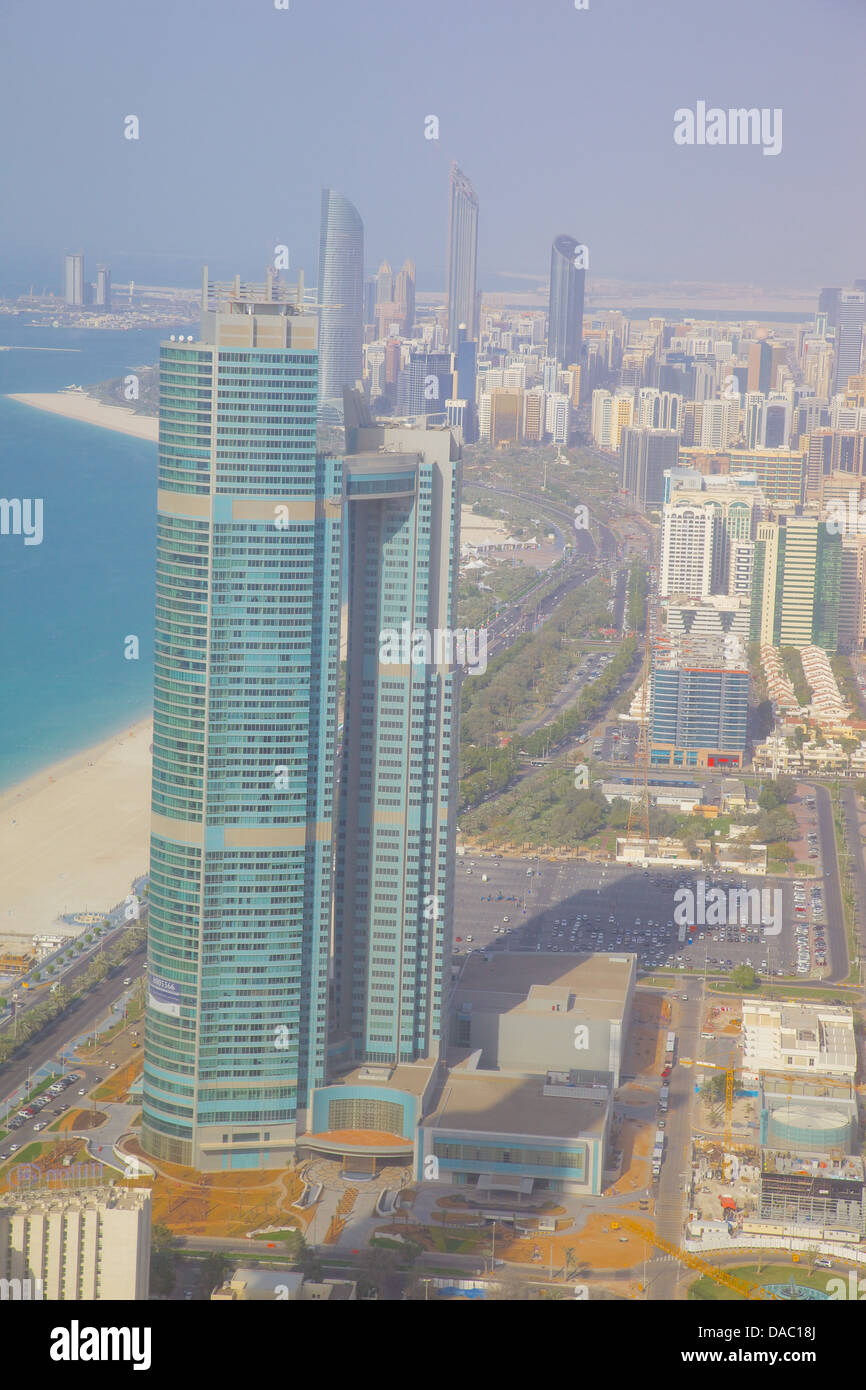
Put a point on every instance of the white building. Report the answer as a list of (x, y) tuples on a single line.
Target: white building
[(798, 1038), (720, 424), (82, 1244), (686, 551)]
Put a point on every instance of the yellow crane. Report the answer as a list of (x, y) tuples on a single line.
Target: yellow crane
[(692, 1261), (729, 1094)]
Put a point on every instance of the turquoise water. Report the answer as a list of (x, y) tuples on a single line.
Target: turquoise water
[(67, 605)]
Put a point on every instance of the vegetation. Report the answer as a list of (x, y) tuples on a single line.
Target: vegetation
[(840, 665), (32, 1021), (635, 610), (794, 671)]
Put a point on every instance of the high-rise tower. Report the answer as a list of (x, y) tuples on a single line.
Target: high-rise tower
[(398, 788), (462, 299), (73, 277), (246, 652), (567, 285), (341, 300)]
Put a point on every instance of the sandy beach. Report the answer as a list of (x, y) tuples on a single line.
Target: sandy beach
[(75, 406), (73, 837)]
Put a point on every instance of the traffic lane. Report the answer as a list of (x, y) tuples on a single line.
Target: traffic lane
[(833, 910), (72, 1023)]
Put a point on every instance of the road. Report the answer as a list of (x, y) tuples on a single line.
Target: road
[(79, 1018), (676, 1166)]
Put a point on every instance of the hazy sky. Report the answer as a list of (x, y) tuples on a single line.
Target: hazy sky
[(562, 119)]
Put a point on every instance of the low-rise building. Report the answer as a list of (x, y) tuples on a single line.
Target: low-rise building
[(812, 1038)]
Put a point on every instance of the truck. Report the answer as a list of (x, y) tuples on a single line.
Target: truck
[(663, 1099)]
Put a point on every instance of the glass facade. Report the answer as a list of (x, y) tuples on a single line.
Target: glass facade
[(567, 283), (247, 640)]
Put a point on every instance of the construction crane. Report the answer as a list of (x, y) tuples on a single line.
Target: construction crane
[(729, 1094), (686, 1257)]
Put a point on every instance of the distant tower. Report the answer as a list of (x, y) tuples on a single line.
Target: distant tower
[(404, 294), (341, 296), (103, 287), (73, 279), (463, 306), (567, 284)]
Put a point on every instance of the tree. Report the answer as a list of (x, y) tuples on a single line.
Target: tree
[(213, 1272), (744, 977), (375, 1267), (713, 1089), (162, 1266)]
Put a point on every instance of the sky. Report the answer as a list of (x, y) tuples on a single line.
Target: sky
[(562, 118)]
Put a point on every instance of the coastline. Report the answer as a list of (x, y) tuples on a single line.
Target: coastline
[(75, 834), (87, 410)]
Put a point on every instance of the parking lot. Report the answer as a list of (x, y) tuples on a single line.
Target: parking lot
[(531, 904)]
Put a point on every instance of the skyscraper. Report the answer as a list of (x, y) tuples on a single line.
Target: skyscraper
[(73, 278), (567, 284), (404, 295), (398, 788), (103, 287), (341, 297), (246, 652), (462, 258), (849, 336)]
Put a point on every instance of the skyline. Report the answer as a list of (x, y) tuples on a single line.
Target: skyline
[(541, 181)]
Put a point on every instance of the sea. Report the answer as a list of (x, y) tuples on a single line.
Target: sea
[(70, 605)]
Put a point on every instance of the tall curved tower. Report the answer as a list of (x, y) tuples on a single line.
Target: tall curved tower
[(341, 296), (567, 282)]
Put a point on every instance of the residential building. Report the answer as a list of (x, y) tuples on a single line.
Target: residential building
[(76, 1244)]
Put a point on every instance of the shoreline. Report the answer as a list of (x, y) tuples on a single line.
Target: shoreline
[(75, 834), (89, 411)]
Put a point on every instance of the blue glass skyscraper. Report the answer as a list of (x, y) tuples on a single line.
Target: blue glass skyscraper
[(247, 642)]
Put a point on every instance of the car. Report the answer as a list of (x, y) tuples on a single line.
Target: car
[(41, 1125), (506, 919), (823, 1264), (82, 1092), (13, 1148)]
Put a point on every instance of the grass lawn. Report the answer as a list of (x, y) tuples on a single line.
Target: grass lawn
[(455, 1241), (706, 1289)]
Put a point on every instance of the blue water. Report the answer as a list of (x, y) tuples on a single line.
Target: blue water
[(67, 605)]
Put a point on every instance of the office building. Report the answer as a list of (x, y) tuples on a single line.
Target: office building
[(246, 654), (465, 364), (102, 296), (798, 1038), (828, 304), (77, 1244), (565, 311), (849, 336), (645, 454), (537, 1047), (506, 411), (700, 704), (760, 375), (73, 278), (404, 296), (397, 814), (461, 296), (797, 583), (341, 301)]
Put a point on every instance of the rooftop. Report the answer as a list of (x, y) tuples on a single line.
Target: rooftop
[(501, 1103)]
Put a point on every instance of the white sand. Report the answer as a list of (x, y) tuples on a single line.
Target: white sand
[(81, 834), (75, 406)]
